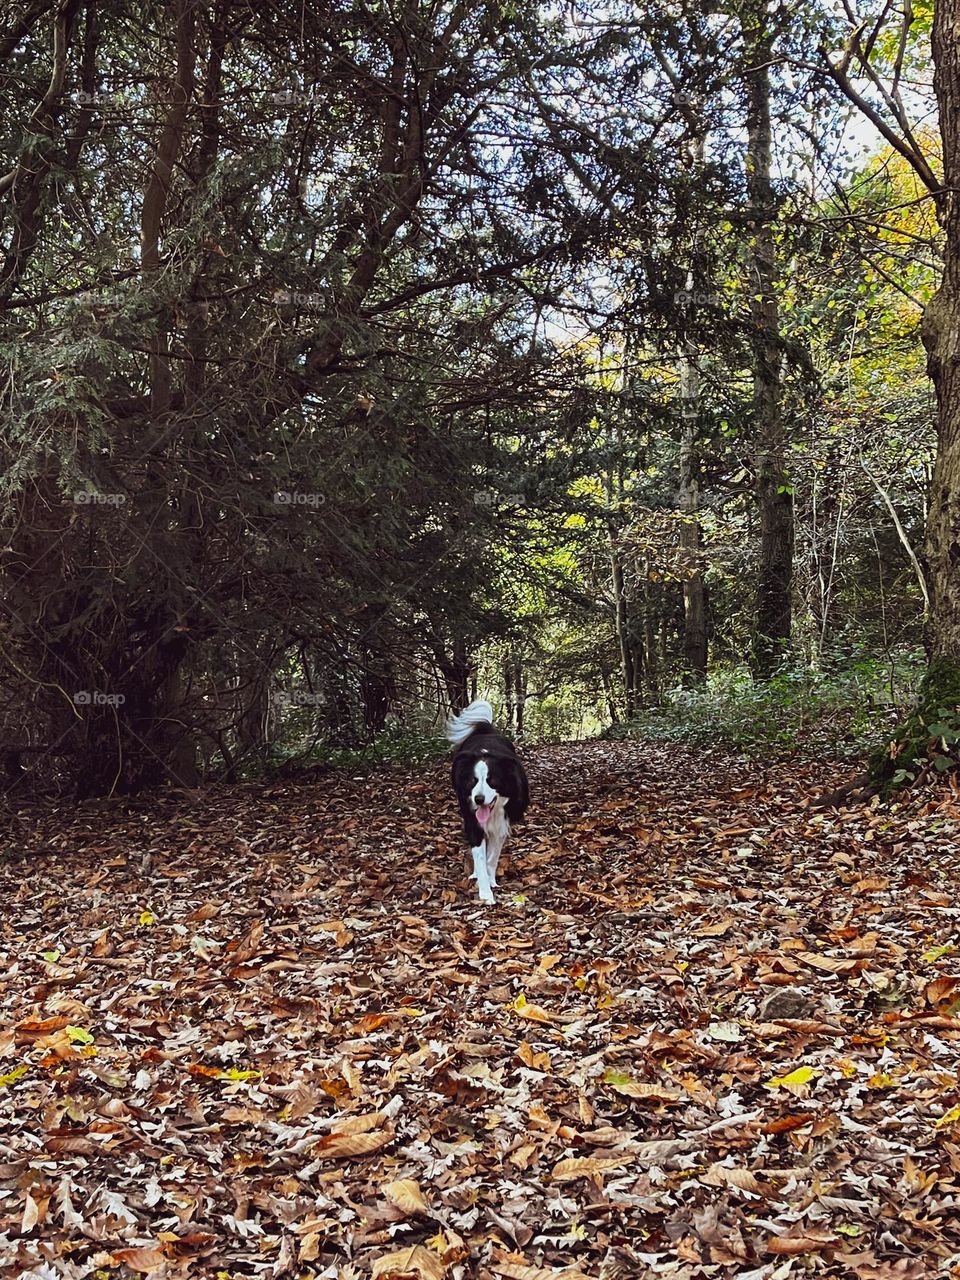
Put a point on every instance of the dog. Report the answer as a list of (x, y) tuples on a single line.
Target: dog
[(491, 788)]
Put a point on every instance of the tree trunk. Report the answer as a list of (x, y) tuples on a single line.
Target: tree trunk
[(688, 500), (941, 337), (774, 492), (520, 692), (628, 666)]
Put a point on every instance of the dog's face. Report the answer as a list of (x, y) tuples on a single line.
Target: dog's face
[(484, 795)]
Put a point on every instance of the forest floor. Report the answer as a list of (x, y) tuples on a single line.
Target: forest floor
[(707, 1031)]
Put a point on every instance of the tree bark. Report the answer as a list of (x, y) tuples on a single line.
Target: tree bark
[(688, 500), (941, 337), (773, 489), (629, 667)]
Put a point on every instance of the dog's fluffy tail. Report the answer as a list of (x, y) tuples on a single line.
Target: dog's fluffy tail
[(459, 728)]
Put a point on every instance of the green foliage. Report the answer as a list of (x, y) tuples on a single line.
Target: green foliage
[(395, 746), (800, 711), (928, 740)]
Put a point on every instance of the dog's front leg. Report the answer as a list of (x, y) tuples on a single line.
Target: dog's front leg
[(480, 872)]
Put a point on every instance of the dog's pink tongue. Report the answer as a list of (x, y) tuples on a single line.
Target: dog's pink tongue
[(483, 813)]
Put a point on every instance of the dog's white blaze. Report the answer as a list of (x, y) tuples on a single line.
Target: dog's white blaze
[(482, 792)]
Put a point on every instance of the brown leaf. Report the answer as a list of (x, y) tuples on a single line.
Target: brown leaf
[(871, 884), (829, 964), (940, 989), (717, 929), (338, 1146), (646, 1092), (720, 1175), (405, 1195), (786, 1124), (142, 1259), (809, 1243), (522, 1271), (31, 1214), (415, 1262), (585, 1167), (529, 1058)]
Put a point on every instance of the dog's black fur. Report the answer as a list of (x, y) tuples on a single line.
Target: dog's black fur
[(505, 774)]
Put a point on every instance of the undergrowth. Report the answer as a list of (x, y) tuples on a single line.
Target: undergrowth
[(841, 713), (396, 746)]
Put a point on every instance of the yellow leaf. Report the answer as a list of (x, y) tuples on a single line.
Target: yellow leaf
[(802, 1075), (948, 1117), (405, 1195), (937, 953), (11, 1076), (525, 1009), (880, 1080), (146, 917)]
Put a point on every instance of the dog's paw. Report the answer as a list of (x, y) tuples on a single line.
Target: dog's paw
[(488, 899)]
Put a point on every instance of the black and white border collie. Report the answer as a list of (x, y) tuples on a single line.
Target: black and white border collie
[(491, 789)]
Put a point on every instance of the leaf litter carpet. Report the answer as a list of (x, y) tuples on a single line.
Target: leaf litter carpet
[(707, 1031)]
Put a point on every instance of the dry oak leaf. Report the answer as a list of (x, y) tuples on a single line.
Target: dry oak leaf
[(631, 1088), (721, 1175), (521, 1271), (829, 964), (940, 989), (530, 1058), (416, 1263), (405, 1195), (811, 1242), (524, 1009), (585, 1167), (338, 1146), (141, 1259)]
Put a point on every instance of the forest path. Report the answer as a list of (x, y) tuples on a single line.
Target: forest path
[(706, 1031)]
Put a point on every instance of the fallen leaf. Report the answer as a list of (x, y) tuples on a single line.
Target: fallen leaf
[(415, 1262), (585, 1167), (406, 1196)]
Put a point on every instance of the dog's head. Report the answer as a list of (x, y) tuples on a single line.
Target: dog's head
[(484, 794)]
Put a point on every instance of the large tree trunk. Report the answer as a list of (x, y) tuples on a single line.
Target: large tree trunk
[(688, 487), (941, 337), (774, 493), (629, 667), (688, 499)]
